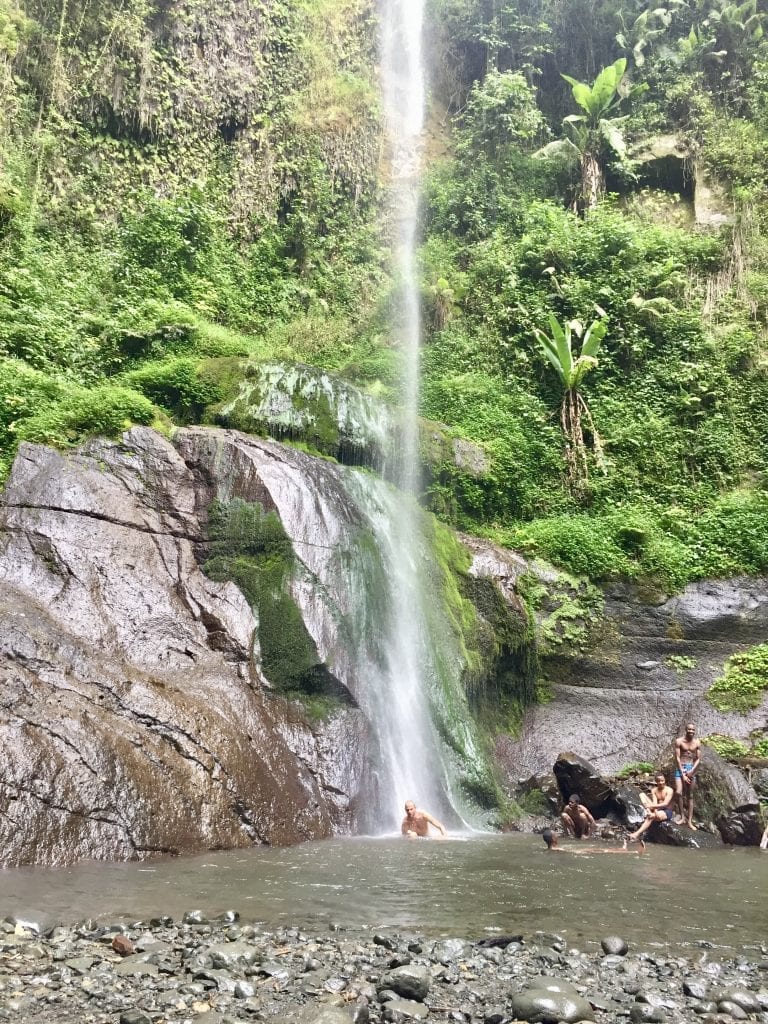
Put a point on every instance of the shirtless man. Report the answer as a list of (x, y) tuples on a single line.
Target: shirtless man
[(687, 759), (577, 820), (658, 807), (416, 823)]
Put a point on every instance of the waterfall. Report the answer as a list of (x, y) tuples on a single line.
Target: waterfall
[(412, 766)]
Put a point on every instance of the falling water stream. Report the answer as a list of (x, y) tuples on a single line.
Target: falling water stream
[(412, 766)]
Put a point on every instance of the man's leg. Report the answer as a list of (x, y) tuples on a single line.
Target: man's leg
[(679, 801), (567, 821), (689, 822), (583, 827)]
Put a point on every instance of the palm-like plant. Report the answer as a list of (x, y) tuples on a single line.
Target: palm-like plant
[(574, 411), (589, 134)]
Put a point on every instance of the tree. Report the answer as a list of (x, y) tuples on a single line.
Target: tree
[(574, 411), (590, 134)]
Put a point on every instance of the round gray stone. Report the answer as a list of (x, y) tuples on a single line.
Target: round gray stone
[(732, 1009), (642, 1012), (614, 945), (540, 1007), (741, 997), (410, 981)]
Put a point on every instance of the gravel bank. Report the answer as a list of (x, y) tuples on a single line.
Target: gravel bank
[(220, 971)]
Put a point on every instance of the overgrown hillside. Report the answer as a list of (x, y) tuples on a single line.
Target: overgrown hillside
[(186, 182), (178, 179), (671, 259)]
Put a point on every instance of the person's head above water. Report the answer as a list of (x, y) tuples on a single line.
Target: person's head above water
[(549, 838), (410, 808)]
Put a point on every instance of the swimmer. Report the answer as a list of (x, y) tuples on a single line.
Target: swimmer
[(687, 758), (416, 823), (577, 820), (550, 839)]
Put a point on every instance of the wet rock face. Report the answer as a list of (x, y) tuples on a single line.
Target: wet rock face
[(135, 717), (622, 694), (741, 826)]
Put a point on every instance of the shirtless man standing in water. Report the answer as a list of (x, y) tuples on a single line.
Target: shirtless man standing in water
[(687, 758), (416, 823)]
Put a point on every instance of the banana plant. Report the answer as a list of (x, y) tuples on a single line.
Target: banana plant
[(558, 349), (647, 29), (588, 135)]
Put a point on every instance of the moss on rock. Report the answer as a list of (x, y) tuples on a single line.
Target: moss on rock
[(744, 683), (249, 547)]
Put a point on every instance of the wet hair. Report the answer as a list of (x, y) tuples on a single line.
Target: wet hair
[(548, 836), (574, 798)]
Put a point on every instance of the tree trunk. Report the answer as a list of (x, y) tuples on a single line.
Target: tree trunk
[(592, 182)]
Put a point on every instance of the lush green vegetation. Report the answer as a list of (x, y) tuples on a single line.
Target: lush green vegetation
[(744, 683), (162, 217), (249, 547), (679, 391), (635, 768)]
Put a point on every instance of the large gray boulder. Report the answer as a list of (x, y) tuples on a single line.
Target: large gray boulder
[(135, 715), (604, 799), (742, 826)]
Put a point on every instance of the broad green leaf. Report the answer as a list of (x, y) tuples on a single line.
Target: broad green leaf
[(593, 338), (560, 149), (562, 339), (550, 352), (605, 85), (583, 95)]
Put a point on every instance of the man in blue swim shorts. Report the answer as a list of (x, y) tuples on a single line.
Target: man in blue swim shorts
[(687, 760)]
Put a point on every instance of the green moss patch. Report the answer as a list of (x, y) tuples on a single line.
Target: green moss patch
[(726, 746), (249, 547), (743, 685)]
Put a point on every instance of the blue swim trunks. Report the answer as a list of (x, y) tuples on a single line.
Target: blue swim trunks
[(686, 768)]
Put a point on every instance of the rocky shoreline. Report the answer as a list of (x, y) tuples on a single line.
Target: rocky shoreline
[(220, 970)]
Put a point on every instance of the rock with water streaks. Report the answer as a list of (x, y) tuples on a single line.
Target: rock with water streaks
[(136, 716)]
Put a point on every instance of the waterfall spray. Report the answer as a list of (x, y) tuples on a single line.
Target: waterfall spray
[(412, 767)]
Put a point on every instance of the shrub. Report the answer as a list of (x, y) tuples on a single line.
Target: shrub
[(726, 746), (178, 385), (106, 411), (744, 682)]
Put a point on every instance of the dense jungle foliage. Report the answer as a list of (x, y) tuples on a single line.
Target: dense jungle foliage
[(184, 182)]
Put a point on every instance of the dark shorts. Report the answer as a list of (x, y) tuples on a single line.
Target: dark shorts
[(668, 811)]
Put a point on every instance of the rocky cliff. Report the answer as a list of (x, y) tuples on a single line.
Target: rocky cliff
[(134, 715), (193, 648), (623, 668)]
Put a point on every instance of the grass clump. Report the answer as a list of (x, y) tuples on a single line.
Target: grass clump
[(727, 747), (744, 682), (635, 768)]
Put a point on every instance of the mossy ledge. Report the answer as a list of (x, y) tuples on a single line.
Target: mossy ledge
[(249, 547)]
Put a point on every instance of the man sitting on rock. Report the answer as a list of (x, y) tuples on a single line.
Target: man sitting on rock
[(658, 806), (578, 822)]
